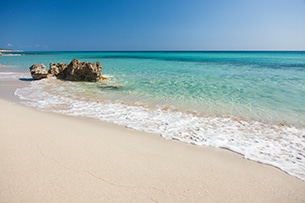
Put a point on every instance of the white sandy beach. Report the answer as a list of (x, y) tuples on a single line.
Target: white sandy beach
[(46, 157)]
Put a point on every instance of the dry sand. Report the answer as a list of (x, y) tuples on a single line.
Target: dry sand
[(46, 157)]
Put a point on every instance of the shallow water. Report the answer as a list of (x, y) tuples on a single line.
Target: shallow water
[(249, 102)]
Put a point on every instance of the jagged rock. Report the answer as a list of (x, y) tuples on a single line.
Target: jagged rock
[(83, 71), (38, 71), (75, 71), (58, 70)]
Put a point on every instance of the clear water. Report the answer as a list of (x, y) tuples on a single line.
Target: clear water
[(252, 103)]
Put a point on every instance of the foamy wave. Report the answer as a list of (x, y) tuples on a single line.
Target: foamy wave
[(13, 75), (277, 145), (11, 54)]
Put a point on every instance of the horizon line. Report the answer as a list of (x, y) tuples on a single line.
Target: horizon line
[(169, 50)]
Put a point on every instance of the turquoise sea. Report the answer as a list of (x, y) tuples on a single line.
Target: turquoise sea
[(252, 103)]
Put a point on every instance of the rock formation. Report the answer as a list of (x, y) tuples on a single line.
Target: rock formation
[(75, 71), (58, 70), (38, 71), (83, 71)]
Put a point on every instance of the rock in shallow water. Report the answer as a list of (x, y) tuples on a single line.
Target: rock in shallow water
[(75, 71), (58, 70), (38, 71), (83, 71)]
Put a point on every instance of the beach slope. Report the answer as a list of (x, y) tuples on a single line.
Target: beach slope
[(47, 157)]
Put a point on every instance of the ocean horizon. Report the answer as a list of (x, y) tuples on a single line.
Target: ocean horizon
[(250, 102)]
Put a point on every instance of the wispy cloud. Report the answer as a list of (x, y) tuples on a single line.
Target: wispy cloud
[(37, 46)]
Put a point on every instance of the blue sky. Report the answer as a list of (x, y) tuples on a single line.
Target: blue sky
[(152, 24)]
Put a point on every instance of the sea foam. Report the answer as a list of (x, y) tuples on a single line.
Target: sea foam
[(13, 75), (277, 145)]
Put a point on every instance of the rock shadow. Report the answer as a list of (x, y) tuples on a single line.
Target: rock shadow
[(26, 79)]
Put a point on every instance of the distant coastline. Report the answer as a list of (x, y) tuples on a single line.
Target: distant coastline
[(9, 51)]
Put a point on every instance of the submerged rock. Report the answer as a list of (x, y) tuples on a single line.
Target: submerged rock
[(115, 86), (38, 71)]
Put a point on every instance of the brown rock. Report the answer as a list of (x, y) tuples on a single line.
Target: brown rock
[(103, 79), (58, 70), (38, 71), (75, 71), (83, 71)]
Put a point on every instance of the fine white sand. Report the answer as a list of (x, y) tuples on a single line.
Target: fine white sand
[(46, 157)]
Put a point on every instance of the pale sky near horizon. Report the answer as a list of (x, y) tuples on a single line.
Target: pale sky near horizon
[(152, 25)]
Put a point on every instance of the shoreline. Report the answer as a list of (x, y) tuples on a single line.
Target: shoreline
[(54, 158)]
